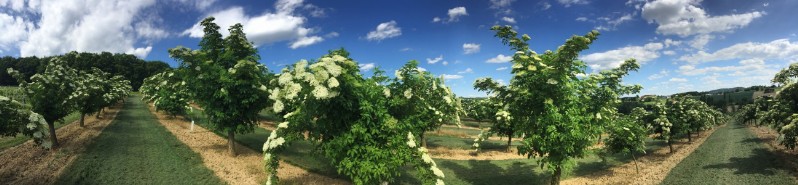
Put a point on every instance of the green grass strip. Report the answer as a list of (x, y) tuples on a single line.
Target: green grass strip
[(136, 149)]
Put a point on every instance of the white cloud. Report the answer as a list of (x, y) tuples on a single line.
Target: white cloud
[(581, 19), (434, 60), (80, 25), (454, 15), (470, 48), (503, 6), (685, 18), (700, 41), (668, 43), (422, 69), (776, 49), (678, 80), (747, 67), (15, 29), (661, 74), (332, 35), (366, 67), (149, 32), (669, 52), (501, 68), (452, 77), (509, 20), (306, 41), (406, 49), (614, 58), (267, 28), (568, 3), (199, 4), (500, 59), (544, 5), (467, 70), (384, 31)]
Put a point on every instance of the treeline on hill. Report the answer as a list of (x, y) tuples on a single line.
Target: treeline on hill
[(727, 99), (126, 65)]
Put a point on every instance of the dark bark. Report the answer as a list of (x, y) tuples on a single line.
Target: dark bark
[(231, 145), (82, 119), (670, 145), (689, 136), (423, 140), (509, 140), (635, 160), (555, 178), (52, 134)]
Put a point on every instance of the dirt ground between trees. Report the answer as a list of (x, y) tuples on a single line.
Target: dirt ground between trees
[(28, 163), (654, 167), (246, 168), (768, 137)]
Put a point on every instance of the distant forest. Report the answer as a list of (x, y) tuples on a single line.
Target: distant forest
[(129, 66)]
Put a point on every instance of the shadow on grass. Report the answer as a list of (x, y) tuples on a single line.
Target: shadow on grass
[(753, 140), (489, 172), (760, 162)]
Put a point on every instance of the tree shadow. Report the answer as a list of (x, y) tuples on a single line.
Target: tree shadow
[(760, 162), (753, 140), (488, 172)]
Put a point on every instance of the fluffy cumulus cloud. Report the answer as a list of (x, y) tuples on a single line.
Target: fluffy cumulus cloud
[(659, 75), (467, 70), (614, 58), (509, 20), (500, 59), (15, 29), (367, 66), (470, 48), (282, 25), (747, 67), (685, 18), (56, 27), (504, 6), (384, 31), (435, 60), (700, 41), (678, 80), (454, 15), (776, 49)]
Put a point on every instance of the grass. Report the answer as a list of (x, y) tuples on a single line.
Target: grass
[(513, 171), (8, 142), (731, 155), (136, 149)]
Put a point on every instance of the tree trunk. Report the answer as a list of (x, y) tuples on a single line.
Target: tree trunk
[(689, 137), (509, 141), (98, 113), (670, 145), (555, 178), (423, 140), (231, 145), (635, 160), (82, 118), (52, 134)]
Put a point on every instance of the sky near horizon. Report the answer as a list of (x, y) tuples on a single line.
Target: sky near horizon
[(682, 45)]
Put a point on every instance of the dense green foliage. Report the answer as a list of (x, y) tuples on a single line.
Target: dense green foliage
[(130, 67), (559, 114), (367, 129), (168, 92), (781, 112), (16, 118), (225, 79)]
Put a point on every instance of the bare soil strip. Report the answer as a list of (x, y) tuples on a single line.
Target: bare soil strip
[(28, 163), (654, 167), (460, 154), (246, 168)]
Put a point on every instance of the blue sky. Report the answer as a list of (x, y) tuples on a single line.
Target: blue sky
[(683, 45)]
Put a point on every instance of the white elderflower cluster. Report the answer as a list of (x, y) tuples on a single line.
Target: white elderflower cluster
[(408, 93), (411, 142), (483, 135), (503, 116), (386, 92)]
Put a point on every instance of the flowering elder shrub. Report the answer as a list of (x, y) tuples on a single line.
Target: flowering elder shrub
[(168, 92), (479, 109), (551, 104), (350, 119), (48, 92), (90, 86), (602, 95), (495, 106), (17, 118), (782, 112), (225, 79), (627, 135), (118, 89), (421, 100)]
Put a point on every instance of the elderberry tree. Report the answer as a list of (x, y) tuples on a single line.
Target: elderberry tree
[(551, 105), (358, 122), (16, 118)]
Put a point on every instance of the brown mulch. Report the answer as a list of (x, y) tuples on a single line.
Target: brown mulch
[(246, 167), (654, 167), (29, 163)]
